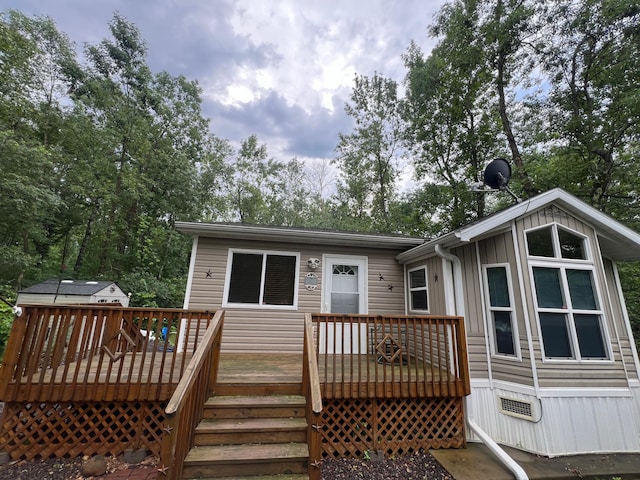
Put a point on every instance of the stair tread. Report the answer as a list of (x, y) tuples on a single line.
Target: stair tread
[(222, 425), (240, 453), (249, 400)]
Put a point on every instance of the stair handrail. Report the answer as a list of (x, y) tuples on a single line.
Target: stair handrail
[(185, 408), (313, 395)]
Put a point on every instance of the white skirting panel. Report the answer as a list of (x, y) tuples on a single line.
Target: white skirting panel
[(569, 422)]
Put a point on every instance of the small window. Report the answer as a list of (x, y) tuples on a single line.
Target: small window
[(540, 242), (418, 290), (262, 279), (500, 310), (571, 246)]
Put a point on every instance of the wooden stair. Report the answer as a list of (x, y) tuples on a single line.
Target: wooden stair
[(252, 431)]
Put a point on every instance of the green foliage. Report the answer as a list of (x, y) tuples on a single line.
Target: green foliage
[(148, 291), (6, 320), (368, 158), (630, 280)]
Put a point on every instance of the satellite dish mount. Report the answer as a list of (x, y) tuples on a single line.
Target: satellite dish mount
[(496, 177)]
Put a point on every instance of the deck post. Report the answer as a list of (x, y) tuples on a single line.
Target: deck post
[(11, 352), (315, 447)]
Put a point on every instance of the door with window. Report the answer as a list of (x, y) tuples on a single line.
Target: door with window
[(344, 291)]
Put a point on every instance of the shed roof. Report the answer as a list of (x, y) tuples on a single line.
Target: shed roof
[(297, 235), (617, 241), (68, 287)]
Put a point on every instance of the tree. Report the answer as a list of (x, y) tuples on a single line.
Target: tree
[(368, 157), (152, 139), (34, 56), (505, 31), (592, 52), (449, 109)]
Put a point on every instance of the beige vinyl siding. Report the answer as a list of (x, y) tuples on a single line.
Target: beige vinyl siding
[(571, 374), (614, 289), (269, 330), (498, 249), (435, 289)]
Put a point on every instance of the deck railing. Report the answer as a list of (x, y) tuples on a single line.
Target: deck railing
[(185, 409), (365, 356), (96, 353), (313, 395)]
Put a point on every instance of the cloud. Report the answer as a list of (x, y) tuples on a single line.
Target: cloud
[(280, 69), (286, 128)]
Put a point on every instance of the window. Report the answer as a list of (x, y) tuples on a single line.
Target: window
[(500, 308), (262, 278), (418, 294), (569, 310), (556, 242)]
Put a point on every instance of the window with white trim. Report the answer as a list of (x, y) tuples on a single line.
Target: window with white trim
[(568, 306), (418, 290), (262, 278), (500, 305)]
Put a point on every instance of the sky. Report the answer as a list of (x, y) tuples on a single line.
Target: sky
[(279, 69)]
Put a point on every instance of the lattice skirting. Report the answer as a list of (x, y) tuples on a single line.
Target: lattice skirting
[(393, 426), (71, 429)]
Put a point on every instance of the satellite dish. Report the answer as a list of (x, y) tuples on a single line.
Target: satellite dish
[(497, 174)]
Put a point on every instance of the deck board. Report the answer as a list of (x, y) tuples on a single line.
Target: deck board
[(145, 375)]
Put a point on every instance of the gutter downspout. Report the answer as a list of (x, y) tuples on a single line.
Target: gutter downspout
[(501, 455)]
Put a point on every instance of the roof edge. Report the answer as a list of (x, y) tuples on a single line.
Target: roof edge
[(285, 234), (604, 224)]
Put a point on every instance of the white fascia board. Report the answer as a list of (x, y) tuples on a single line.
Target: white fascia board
[(612, 231), (279, 234)]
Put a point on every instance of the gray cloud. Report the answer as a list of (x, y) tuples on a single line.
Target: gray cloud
[(281, 70)]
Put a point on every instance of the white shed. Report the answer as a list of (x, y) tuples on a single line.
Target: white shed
[(72, 292)]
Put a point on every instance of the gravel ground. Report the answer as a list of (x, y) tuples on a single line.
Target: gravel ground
[(51, 469), (419, 466)]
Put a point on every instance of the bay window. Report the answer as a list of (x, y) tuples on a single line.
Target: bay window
[(569, 310)]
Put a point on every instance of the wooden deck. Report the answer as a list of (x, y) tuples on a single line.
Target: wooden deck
[(353, 376), (81, 380)]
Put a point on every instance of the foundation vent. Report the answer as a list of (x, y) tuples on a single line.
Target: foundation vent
[(516, 408)]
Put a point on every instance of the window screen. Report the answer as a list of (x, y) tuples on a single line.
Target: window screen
[(555, 335), (279, 280), (581, 289), (548, 289), (247, 284), (498, 287), (246, 274)]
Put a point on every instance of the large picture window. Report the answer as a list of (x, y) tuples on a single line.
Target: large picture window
[(418, 291), (262, 278), (500, 306), (569, 310)]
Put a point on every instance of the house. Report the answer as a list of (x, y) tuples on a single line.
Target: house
[(552, 360), (71, 292)]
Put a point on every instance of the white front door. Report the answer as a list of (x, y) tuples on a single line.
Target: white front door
[(344, 290)]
